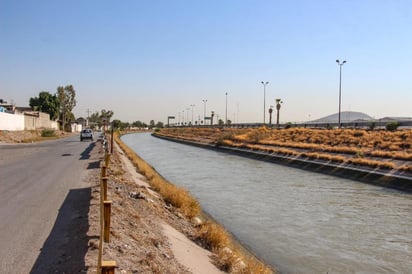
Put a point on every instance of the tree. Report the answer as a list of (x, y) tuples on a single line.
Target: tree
[(392, 126), (152, 124), (67, 99), (105, 115), (99, 118), (94, 120), (159, 124), (139, 124), (46, 102), (116, 124)]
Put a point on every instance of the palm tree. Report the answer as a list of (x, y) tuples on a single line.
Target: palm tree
[(278, 105)]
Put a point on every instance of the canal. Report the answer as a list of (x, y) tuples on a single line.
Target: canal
[(298, 221)]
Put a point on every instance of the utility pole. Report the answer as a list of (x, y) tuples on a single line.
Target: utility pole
[(264, 100), (226, 111), (88, 116), (192, 105), (204, 111)]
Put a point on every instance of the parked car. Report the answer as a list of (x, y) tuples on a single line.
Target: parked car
[(86, 134)]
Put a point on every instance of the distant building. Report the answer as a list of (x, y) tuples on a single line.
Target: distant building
[(23, 118), (81, 121)]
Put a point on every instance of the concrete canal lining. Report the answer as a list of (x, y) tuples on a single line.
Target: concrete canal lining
[(376, 176)]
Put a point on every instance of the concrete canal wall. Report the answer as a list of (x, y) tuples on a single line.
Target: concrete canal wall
[(377, 177)]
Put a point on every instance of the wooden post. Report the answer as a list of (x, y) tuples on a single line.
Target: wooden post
[(104, 189), (104, 171), (108, 267), (107, 159), (111, 141), (99, 262), (107, 212)]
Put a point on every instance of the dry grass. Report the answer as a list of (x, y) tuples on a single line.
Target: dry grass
[(172, 194), (26, 136), (211, 235), (376, 149)]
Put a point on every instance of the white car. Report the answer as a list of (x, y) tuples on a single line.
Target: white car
[(86, 134)]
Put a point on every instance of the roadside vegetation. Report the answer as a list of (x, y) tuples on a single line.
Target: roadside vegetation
[(30, 136), (389, 149), (227, 255)]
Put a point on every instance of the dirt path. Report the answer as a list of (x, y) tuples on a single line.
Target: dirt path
[(146, 235)]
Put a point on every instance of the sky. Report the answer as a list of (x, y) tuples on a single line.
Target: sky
[(150, 59)]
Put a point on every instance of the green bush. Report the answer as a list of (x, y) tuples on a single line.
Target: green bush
[(392, 126), (48, 133)]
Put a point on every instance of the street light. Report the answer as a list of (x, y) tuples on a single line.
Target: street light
[(264, 100), (204, 111), (192, 112), (340, 87), (226, 111)]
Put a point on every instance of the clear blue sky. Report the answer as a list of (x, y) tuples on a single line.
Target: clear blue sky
[(150, 59)]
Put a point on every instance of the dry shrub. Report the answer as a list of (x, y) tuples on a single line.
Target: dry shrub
[(225, 138), (316, 143), (172, 194), (229, 257), (235, 260), (372, 163), (405, 167), (213, 236), (257, 135)]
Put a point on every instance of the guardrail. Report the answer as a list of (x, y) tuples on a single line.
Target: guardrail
[(105, 266), (360, 124)]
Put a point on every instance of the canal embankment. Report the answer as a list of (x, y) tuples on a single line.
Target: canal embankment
[(226, 253), (380, 177), (296, 220)]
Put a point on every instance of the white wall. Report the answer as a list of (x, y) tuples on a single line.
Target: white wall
[(25, 122), (11, 121), (76, 127)]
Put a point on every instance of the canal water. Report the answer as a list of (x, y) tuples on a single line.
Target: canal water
[(298, 221)]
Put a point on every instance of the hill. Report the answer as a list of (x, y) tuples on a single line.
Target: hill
[(346, 116)]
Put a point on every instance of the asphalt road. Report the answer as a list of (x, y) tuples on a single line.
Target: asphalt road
[(44, 200)]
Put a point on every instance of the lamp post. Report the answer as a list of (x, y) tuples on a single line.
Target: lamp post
[(340, 87), (226, 111), (278, 105), (192, 105), (264, 100), (204, 111)]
